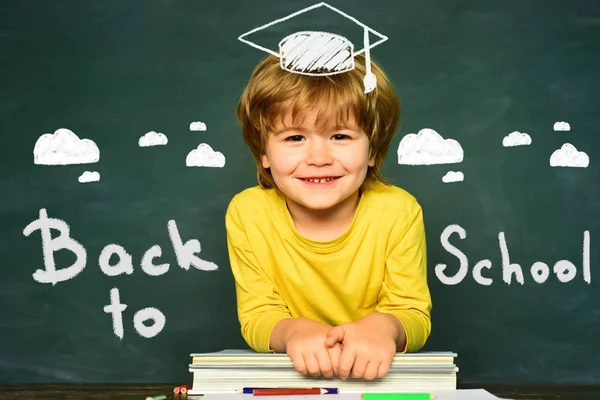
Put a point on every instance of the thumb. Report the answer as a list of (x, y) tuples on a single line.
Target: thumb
[(334, 336)]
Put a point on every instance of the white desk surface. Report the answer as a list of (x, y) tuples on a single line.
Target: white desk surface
[(461, 394)]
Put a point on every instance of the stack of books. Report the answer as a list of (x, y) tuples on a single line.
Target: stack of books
[(229, 371)]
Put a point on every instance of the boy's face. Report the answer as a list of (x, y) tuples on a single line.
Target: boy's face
[(337, 158)]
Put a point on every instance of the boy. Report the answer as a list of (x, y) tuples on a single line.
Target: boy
[(329, 261)]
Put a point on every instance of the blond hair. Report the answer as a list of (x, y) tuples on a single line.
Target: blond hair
[(272, 92)]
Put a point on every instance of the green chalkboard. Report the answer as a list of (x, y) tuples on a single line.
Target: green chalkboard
[(474, 72)]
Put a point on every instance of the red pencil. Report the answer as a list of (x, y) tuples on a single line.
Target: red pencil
[(289, 391), (181, 389)]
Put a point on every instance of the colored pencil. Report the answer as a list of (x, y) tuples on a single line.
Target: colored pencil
[(252, 389), (290, 391), (159, 397), (181, 389)]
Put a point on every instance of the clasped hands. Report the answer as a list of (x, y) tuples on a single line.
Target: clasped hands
[(361, 349)]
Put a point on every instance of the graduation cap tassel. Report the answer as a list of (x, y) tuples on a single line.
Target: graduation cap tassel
[(370, 80)]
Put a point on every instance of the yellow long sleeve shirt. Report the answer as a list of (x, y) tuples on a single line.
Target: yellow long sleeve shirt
[(377, 265)]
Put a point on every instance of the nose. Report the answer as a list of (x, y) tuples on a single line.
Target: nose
[(318, 152)]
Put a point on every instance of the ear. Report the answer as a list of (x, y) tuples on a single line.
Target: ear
[(265, 161), (371, 159)]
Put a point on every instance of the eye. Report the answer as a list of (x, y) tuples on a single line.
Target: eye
[(341, 136), (294, 138)]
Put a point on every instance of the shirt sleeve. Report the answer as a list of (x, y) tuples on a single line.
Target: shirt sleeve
[(404, 292), (259, 305)]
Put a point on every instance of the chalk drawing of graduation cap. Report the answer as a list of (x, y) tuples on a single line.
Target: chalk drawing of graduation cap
[(318, 53)]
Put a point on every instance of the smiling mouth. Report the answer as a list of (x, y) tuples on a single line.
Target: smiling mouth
[(320, 180)]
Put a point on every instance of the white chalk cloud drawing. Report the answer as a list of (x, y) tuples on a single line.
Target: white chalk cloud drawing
[(562, 126), (320, 53), (205, 156), (63, 147), (153, 139), (197, 126), (89, 176), (453, 176), (568, 156), (516, 138), (428, 148)]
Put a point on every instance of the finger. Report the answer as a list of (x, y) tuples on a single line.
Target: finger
[(384, 367), (334, 355), (372, 370), (359, 367), (347, 357), (324, 360), (312, 365), (334, 336), (298, 361)]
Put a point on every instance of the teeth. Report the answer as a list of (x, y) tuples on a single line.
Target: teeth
[(320, 180)]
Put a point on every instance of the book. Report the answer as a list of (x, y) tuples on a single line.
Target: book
[(228, 371), (249, 357)]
